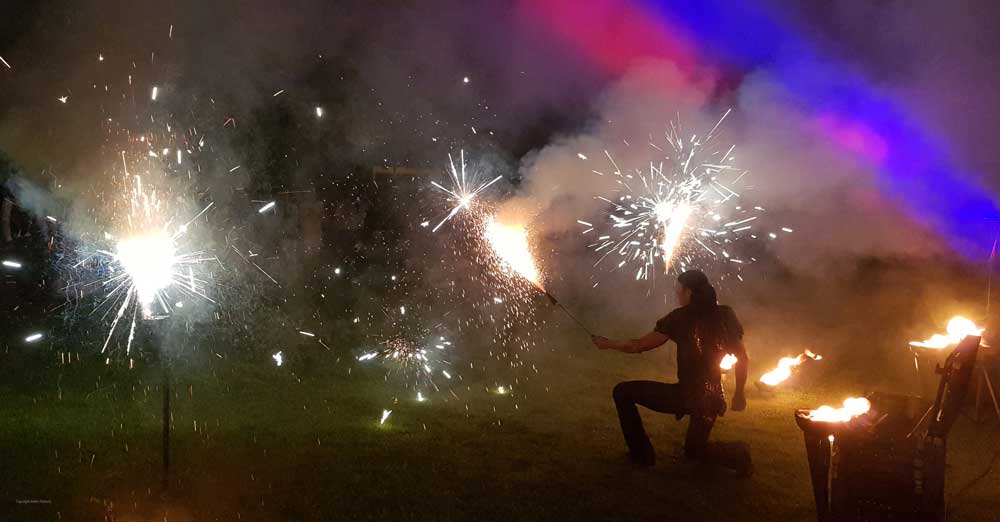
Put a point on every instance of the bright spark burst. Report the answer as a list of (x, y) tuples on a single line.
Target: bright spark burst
[(510, 244), (146, 263), (465, 188), (419, 361), (683, 204)]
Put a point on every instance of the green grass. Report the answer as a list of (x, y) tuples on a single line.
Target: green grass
[(302, 442)]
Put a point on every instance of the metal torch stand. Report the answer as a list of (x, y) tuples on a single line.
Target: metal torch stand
[(165, 370)]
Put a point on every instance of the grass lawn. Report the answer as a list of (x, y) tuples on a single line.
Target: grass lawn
[(253, 441)]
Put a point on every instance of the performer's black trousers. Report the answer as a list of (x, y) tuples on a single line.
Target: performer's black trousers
[(667, 398), (664, 398)]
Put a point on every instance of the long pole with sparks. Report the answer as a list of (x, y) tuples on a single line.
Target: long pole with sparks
[(510, 244), (556, 302)]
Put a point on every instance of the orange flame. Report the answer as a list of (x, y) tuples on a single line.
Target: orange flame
[(785, 367), (728, 361), (853, 407), (958, 328), (510, 244)]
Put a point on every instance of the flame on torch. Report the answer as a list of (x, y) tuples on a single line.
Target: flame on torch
[(958, 328), (785, 367), (853, 407)]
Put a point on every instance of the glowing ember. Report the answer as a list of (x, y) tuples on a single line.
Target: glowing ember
[(958, 328), (853, 407), (728, 362), (510, 243), (785, 367)]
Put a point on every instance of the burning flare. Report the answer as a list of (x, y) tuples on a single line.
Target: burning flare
[(510, 244), (958, 328), (785, 367), (853, 407), (149, 261), (728, 362)]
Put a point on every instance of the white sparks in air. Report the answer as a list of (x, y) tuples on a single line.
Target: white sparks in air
[(385, 416), (11, 264), (465, 187), (266, 207), (667, 212), (32, 338), (155, 93), (319, 111), (279, 358)]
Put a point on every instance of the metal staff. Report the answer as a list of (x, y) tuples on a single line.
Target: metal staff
[(556, 302)]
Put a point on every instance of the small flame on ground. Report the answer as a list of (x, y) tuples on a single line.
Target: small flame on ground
[(785, 367), (853, 407)]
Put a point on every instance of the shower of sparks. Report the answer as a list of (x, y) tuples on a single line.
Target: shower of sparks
[(510, 244), (682, 205), (465, 188), (418, 361), (146, 264)]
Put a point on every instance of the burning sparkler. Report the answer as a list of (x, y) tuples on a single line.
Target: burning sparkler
[(958, 328), (683, 205), (510, 244), (465, 188)]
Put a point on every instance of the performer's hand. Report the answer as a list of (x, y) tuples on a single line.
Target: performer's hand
[(739, 402), (601, 342)]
